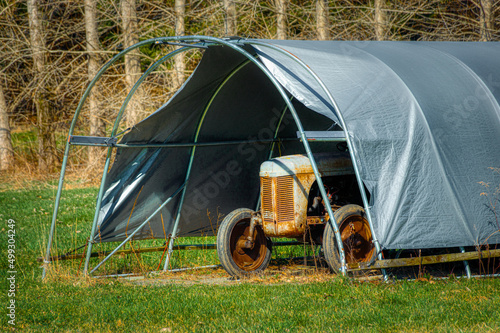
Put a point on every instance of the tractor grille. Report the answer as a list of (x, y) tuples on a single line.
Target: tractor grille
[(284, 198), (267, 199), (277, 200)]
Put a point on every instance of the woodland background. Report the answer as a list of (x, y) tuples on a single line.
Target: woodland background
[(50, 50)]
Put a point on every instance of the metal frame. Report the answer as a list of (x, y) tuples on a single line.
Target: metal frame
[(70, 256), (289, 106), (99, 74), (349, 145), (204, 39), (187, 43), (424, 260)]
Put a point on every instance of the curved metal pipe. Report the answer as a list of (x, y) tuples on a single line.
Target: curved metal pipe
[(108, 156), (271, 150), (348, 139), (72, 127), (299, 127), (70, 132), (304, 142), (191, 159)]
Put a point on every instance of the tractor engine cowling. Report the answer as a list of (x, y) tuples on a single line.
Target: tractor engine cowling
[(285, 184)]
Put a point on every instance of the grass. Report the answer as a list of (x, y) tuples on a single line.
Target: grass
[(112, 306), (280, 302)]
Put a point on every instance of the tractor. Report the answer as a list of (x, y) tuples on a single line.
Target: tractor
[(291, 206)]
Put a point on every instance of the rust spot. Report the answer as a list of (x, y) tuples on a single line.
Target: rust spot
[(315, 220), (285, 186)]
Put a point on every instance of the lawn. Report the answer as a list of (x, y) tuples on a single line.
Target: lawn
[(277, 302)]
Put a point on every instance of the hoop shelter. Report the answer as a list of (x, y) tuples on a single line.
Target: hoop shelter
[(421, 121)]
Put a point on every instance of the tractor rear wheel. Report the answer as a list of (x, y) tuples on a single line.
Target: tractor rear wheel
[(356, 237), (234, 256)]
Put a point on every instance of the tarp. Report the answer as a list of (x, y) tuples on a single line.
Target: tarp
[(423, 117)]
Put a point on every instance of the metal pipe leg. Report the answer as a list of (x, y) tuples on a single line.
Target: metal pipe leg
[(466, 264), (54, 214), (139, 227)]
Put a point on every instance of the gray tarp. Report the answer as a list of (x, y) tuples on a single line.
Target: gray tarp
[(424, 119)]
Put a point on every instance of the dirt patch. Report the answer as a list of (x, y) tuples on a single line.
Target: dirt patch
[(204, 280), (291, 271), (273, 275)]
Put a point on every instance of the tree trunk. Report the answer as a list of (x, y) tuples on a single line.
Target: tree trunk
[(6, 151), (380, 20), (180, 66), (97, 125), (230, 21), (281, 7), (487, 20), (132, 59), (322, 25), (46, 137)]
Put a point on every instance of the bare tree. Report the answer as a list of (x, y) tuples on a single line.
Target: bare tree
[(180, 30), (97, 125), (132, 59), (380, 20), (230, 20), (282, 26), (487, 19), (46, 138), (6, 151), (44, 74), (322, 26)]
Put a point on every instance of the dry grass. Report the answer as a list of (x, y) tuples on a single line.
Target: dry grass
[(23, 178)]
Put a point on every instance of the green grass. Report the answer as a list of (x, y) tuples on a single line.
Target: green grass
[(68, 302), (444, 306)]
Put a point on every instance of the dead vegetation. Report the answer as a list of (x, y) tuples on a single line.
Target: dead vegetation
[(49, 51)]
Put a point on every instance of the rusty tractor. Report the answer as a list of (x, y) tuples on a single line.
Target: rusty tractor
[(291, 206)]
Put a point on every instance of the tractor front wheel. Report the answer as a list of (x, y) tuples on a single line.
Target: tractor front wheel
[(234, 254)]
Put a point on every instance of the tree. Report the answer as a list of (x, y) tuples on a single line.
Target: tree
[(322, 26), (180, 30), (6, 151), (97, 125), (380, 20), (282, 27), (132, 59), (230, 20), (46, 137), (44, 73)]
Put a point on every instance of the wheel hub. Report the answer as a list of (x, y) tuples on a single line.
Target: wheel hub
[(356, 237), (248, 257)]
